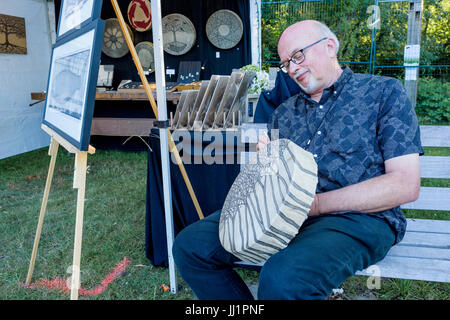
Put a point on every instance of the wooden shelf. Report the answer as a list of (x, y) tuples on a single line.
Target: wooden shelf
[(128, 95)]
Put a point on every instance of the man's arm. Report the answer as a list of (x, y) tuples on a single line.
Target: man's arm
[(400, 184)]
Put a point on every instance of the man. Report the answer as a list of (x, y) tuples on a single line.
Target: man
[(365, 138)]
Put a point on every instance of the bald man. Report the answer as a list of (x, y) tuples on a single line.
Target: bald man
[(364, 135)]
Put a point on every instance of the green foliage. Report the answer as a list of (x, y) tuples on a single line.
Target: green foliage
[(433, 101), (348, 19), (261, 80)]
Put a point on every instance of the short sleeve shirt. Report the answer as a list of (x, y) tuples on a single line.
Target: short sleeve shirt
[(360, 121)]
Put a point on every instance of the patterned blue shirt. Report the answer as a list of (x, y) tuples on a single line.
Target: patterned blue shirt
[(360, 121)]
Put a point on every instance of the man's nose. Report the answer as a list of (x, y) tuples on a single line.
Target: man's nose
[(293, 68)]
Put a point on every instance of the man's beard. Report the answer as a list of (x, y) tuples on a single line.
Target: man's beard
[(312, 83)]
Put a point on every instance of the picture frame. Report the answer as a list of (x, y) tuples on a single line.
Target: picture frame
[(74, 14), (71, 86)]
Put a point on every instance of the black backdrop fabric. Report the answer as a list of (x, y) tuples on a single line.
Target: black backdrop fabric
[(198, 11), (211, 183)]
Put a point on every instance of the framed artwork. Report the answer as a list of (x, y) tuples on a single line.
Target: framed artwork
[(13, 39), (72, 84), (76, 13)]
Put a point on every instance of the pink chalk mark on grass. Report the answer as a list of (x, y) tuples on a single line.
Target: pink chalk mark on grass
[(61, 284)]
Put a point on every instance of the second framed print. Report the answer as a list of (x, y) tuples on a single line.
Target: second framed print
[(76, 13), (72, 83)]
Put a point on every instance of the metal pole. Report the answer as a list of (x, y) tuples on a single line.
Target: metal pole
[(163, 134), (413, 38)]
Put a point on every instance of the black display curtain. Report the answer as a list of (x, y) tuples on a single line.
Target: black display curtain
[(198, 11), (211, 183)]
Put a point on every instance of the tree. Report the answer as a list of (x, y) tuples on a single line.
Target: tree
[(12, 31)]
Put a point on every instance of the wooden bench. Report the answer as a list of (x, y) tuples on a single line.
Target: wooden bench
[(424, 252)]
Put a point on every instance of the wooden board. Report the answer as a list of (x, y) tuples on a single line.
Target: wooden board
[(178, 109), (205, 102), (238, 106), (228, 97), (197, 103), (435, 136), (135, 95), (187, 107), (217, 97), (122, 127), (435, 167), (431, 199)]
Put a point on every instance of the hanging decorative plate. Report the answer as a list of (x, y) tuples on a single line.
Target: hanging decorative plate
[(140, 15), (144, 50), (179, 34), (224, 29), (114, 44)]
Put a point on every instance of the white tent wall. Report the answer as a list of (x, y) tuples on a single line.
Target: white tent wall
[(21, 74)]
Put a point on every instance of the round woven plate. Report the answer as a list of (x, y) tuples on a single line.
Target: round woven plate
[(224, 29), (179, 34), (144, 50), (140, 15), (114, 44)]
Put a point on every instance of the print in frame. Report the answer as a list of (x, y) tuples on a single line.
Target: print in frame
[(74, 14), (72, 83)]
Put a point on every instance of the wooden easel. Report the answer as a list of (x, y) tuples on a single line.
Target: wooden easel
[(79, 182)]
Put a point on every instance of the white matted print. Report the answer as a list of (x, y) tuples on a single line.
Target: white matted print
[(74, 12), (71, 85)]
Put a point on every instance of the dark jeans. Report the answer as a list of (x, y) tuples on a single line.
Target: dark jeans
[(327, 250)]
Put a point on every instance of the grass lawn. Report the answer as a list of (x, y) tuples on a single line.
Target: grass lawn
[(114, 221)]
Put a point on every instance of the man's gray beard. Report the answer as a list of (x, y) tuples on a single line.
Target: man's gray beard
[(311, 85)]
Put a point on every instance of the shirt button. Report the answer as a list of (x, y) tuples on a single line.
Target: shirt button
[(321, 107), (315, 155), (335, 92), (319, 132)]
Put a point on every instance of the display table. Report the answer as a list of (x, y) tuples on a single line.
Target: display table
[(119, 115), (210, 182), (125, 95)]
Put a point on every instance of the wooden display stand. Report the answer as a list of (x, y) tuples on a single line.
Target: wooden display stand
[(79, 182)]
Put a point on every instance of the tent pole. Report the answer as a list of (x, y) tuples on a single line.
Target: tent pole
[(163, 134)]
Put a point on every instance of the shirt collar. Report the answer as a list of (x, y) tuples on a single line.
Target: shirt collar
[(346, 74)]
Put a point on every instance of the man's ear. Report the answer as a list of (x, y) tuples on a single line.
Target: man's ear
[(331, 47)]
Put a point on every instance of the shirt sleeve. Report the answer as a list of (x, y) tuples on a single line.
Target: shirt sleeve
[(398, 128)]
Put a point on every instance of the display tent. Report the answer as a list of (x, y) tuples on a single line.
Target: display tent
[(20, 126)]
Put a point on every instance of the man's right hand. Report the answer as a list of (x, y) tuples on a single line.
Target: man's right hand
[(262, 141)]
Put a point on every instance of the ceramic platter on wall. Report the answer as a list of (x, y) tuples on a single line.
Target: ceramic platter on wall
[(146, 56), (179, 34), (224, 29), (140, 15), (114, 44)]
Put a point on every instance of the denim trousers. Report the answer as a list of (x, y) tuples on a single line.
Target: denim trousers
[(327, 250)]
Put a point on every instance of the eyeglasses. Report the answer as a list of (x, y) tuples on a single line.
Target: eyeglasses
[(297, 57)]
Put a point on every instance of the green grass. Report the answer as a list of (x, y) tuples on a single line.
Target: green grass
[(114, 222)]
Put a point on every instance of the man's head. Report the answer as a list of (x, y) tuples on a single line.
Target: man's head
[(320, 67)]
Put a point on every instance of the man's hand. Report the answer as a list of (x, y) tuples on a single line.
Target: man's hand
[(314, 210), (262, 141)]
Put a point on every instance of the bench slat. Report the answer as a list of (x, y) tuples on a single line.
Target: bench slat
[(435, 136), (423, 239), (435, 167), (425, 225), (419, 252), (431, 199), (412, 268)]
